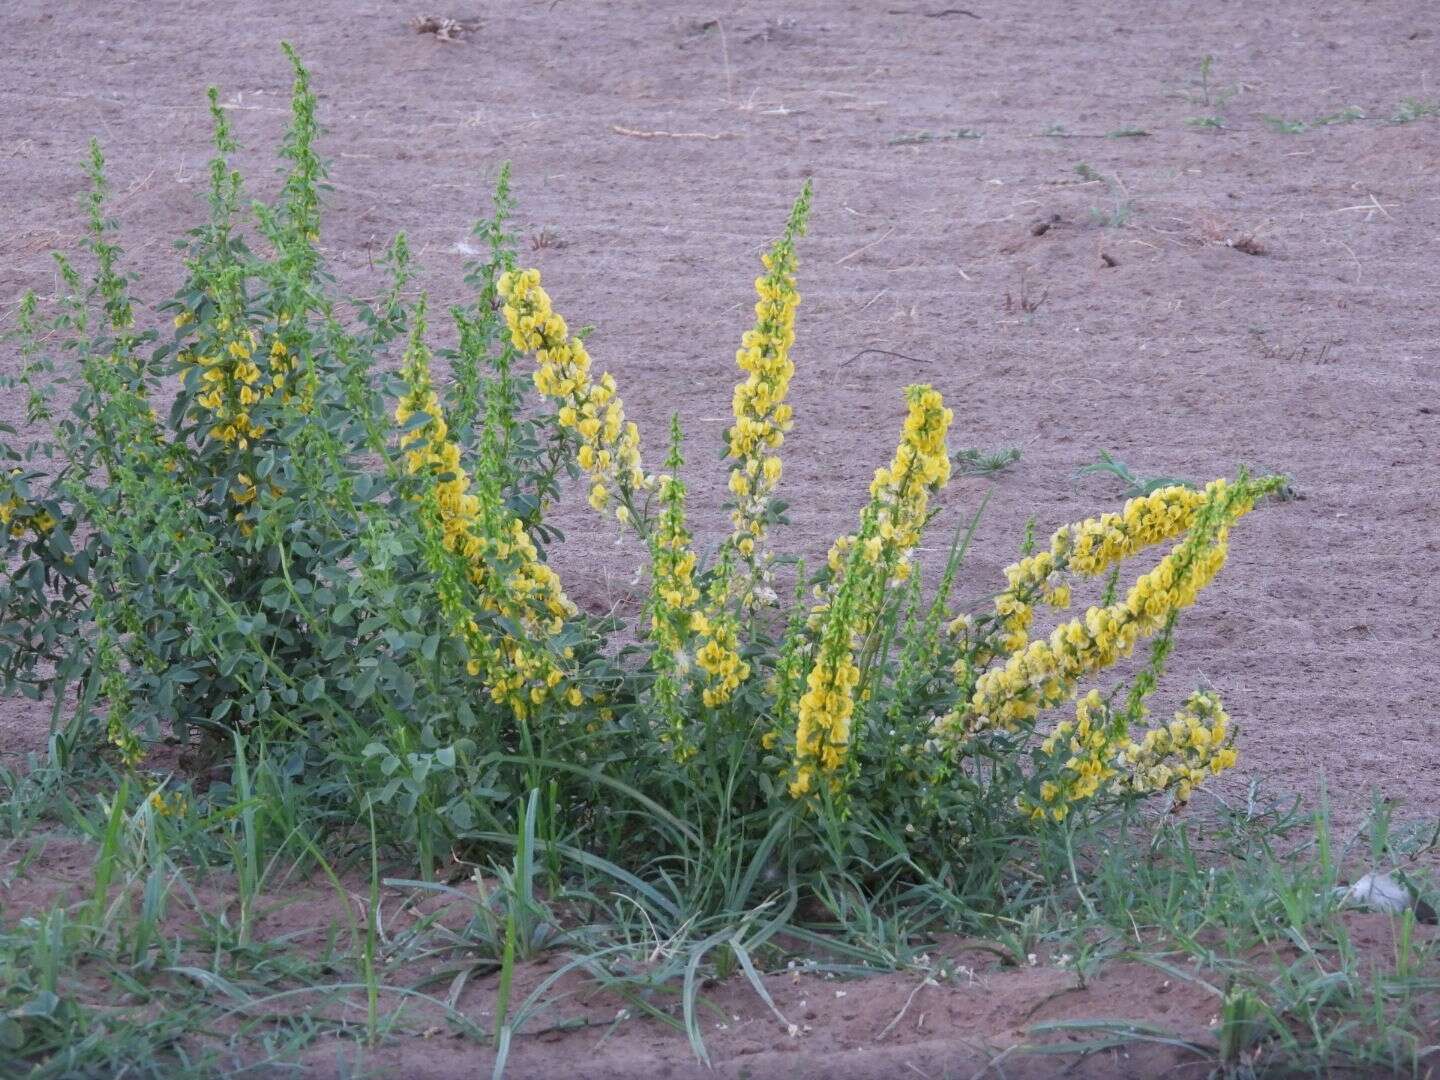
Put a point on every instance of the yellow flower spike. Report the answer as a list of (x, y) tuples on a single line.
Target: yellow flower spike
[(761, 415), (523, 672), (1091, 743), (609, 453), (862, 566)]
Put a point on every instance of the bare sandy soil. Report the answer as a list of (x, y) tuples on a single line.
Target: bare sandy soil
[(1200, 296)]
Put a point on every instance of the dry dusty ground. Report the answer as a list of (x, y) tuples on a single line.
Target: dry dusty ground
[(1206, 297)]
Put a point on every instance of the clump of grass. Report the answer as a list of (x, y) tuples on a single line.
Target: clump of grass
[(1121, 207), (974, 461), (1202, 90), (1348, 115)]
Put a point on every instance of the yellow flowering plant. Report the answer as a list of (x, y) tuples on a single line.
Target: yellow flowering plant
[(346, 561), (330, 542)]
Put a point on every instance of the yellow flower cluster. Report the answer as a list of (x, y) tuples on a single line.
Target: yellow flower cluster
[(677, 621), (174, 804), (822, 729), (41, 522), (920, 467), (719, 654), (1034, 576), (232, 383), (1177, 758), (1094, 545), (609, 445), (1090, 739), (862, 565), (762, 415), (1041, 674), (1088, 548), (673, 598), (900, 493), (521, 672), (1045, 673), (674, 561)]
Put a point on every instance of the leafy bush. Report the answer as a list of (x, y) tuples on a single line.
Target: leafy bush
[(258, 531)]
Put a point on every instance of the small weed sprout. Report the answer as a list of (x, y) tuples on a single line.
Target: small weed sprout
[(1134, 486)]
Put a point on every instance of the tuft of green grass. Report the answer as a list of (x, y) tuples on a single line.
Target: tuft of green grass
[(1286, 127), (1206, 123), (1347, 115), (917, 138), (976, 462), (1412, 109)]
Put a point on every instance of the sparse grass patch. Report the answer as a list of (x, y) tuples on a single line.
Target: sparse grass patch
[(917, 138), (1411, 109)]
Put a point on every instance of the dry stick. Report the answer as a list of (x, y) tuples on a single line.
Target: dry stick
[(725, 56), (865, 248), (1358, 272), (927, 981), (1371, 207), (670, 134), (887, 352), (932, 14), (995, 1062)]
